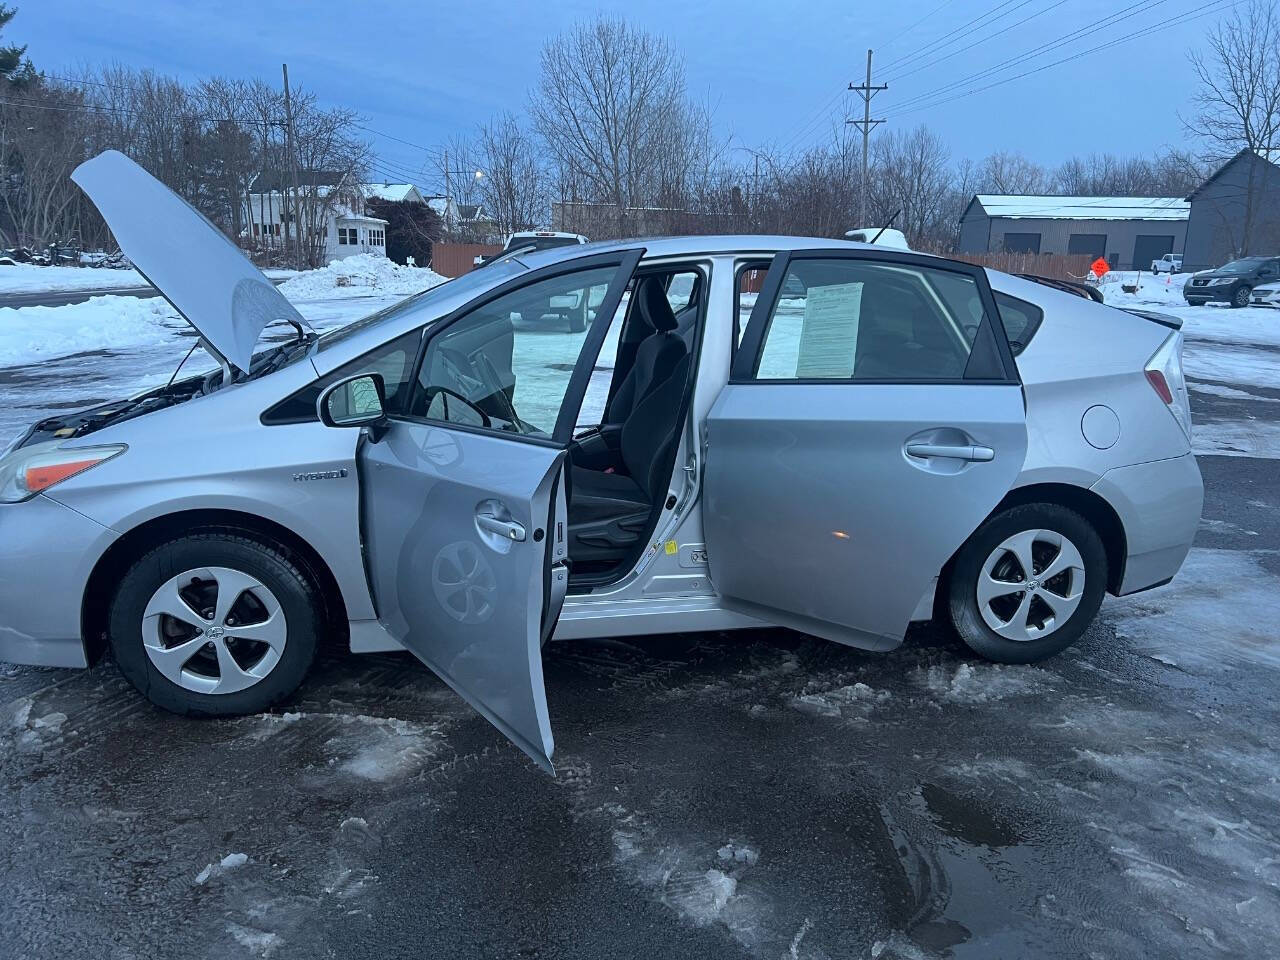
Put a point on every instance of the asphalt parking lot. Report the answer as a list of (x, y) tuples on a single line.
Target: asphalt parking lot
[(759, 795)]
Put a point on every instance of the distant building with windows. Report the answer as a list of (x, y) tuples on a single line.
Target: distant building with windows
[(1128, 232), (337, 210)]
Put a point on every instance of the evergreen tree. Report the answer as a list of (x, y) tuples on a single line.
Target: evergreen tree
[(14, 65)]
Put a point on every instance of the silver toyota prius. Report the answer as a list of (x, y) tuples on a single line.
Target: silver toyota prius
[(728, 432)]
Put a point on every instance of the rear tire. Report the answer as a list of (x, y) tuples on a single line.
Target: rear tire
[(243, 633), (994, 617)]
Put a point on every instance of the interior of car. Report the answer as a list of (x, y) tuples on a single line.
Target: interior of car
[(506, 366), (620, 468)]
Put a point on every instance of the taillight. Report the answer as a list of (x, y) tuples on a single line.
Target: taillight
[(1157, 380), (1164, 373)]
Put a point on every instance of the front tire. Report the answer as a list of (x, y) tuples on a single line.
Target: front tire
[(215, 624), (1028, 583), (1241, 297)]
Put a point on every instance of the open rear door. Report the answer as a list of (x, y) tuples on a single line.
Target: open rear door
[(464, 497), (872, 421)]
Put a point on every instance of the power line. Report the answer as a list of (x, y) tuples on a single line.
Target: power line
[(1133, 10), (125, 112), (898, 36), (1193, 14), (975, 43), (914, 54)]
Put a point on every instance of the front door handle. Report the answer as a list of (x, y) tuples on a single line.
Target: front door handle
[(507, 529), (957, 451)]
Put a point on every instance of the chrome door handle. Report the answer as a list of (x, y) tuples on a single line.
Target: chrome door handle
[(957, 451), (507, 529)]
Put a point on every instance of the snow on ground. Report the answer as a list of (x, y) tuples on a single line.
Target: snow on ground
[(363, 275), (28, 278), (229, 862), (110, 322), (1200, 623), (31, 334), (1237, 438), (1221, 341)]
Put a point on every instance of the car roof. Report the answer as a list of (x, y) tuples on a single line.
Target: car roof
[(664, 247)]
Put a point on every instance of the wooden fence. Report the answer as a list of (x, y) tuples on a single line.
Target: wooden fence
[(1057, 266), (455, 259)]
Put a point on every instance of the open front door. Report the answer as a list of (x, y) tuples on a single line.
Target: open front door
[(872, 421), (464, 497)]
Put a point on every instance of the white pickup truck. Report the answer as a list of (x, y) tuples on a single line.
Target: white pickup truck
[(1169, 263)]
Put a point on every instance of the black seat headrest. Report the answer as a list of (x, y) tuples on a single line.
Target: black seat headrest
[(654, 306)]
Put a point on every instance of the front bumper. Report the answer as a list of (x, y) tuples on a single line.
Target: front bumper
[(1266, 298), (1217, 294), (1159, 505), (46, 554)]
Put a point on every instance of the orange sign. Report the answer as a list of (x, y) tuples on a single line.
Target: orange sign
[(1100, 267)]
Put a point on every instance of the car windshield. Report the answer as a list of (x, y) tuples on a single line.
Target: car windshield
[(1247, 265)]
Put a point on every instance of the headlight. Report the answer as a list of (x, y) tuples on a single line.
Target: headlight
[(1219, 281), (31, 470)]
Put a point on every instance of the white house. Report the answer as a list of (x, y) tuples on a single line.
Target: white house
[(337, 211)]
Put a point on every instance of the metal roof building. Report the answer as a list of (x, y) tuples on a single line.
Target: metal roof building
[(1129, 232)]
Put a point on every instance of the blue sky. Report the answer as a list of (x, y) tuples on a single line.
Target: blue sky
[(772, 72)]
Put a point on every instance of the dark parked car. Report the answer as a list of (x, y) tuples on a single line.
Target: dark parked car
[(1232, 283)]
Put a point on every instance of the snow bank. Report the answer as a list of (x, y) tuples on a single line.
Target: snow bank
[(31, 334), (362, 275), (28, 278)]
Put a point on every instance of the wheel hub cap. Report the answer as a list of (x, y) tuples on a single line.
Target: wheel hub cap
[(214, 630), (1030, 585)]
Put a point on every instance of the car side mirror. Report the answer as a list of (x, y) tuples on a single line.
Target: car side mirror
[(358, 401)]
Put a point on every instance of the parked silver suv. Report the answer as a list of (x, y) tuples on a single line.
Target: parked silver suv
[(875, 437)]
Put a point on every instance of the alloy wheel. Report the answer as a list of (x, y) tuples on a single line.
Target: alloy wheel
[(214, 630), (1030, 584)]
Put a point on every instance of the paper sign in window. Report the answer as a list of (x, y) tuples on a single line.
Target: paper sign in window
[(829, 336)]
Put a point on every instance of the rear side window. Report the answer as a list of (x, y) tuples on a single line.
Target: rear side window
[(1020, 319), (846, 319)]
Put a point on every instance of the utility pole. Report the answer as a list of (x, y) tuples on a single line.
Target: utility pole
[(291, 215), (866, 91), (448, 196)]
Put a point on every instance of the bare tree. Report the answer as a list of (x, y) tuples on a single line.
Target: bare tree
[(608, 96), (911, 174), (1010, 172), (513, 185), (325, 142), (1238, 104), (42, 139)]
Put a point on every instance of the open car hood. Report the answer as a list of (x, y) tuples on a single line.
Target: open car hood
[(206, 277)]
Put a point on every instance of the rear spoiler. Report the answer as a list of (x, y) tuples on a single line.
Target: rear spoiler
[(1066, 286), (1093, 293), (1173, 323)]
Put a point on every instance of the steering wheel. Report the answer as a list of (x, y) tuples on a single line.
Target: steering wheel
[(479, 371)]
